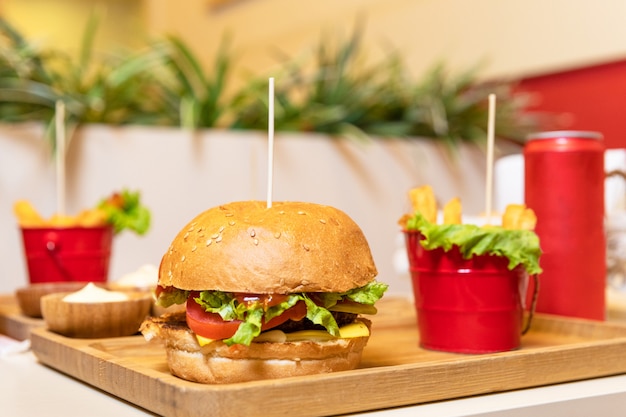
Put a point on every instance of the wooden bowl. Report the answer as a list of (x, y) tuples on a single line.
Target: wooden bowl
[(96, 320), (29, 298)]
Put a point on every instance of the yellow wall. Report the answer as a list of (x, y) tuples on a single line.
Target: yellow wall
[(61, 23), (514, 37)]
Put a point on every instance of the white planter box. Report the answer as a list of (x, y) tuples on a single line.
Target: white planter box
[(182, 173)]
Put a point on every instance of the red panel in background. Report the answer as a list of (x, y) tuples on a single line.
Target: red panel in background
[(593, 98)]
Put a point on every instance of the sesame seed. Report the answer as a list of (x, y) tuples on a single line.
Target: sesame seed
[(306, 248), (215, 235), (322, 221), (252, 233), (301, 212), (186, 236), (229, 214), (221, 229), (281, 212), (182, 259), (194, 248), (219, 239), (208, 242), (277, 235), (232, 223), (256, 241)]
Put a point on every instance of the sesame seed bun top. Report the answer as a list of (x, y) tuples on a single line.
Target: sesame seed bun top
[(290, 247)]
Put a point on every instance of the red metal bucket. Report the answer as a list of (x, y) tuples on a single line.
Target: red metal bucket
[(74, 254), (466, 305)]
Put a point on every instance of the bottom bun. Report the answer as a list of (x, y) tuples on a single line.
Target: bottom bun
[(217, 363)]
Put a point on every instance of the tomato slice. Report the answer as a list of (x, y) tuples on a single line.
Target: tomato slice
[(296, 313), (212, 326), (209, 325)]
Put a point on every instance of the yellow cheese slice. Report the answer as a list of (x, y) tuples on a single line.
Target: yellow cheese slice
[(202, 341), (352, 330)]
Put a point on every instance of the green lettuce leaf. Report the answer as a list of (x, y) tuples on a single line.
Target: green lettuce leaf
[(249, 329), (368, 294), (252, 315), (172, 296), (320, 315), (520, 247), (221, 303), (125, 211), (278, 309)]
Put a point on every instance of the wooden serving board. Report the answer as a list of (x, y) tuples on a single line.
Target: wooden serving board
[(12, 322), (394, 370)]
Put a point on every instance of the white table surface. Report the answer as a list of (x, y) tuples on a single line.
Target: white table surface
[(28, 389)]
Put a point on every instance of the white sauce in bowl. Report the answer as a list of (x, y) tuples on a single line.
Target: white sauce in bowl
[(91, 293)]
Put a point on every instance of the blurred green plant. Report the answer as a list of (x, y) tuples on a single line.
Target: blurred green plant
[(116, 89), (24, 78), (340, 94), (333, 90), (198, 94), (455, 108), (337, 94)]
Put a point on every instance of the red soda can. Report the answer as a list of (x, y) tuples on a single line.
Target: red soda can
[(564, 184)]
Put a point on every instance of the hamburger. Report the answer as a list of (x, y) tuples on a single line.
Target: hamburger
[(269, 292)]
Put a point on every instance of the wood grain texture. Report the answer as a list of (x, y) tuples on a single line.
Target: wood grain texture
[(394, 371), (12, 322)]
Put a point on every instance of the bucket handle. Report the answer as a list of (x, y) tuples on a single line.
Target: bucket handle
[(533, 304), (616, 173), (52, 246)]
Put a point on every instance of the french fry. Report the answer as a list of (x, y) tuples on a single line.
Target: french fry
[(402, 221), (423, 200), (91, 218), (529, 220), (519, 217), (124, 204), (27, 215), (512, 215), (452, 212), (62, 220), (515, 217)]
